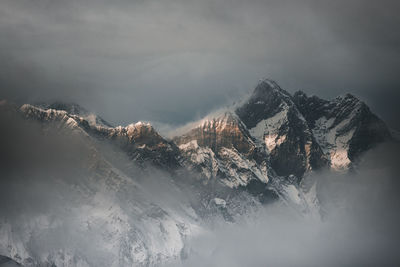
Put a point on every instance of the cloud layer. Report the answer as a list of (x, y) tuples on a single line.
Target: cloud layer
[(172, 61), (359, 226)]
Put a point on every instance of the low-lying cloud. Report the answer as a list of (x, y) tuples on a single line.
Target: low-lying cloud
[(358, 227), (51, 195)]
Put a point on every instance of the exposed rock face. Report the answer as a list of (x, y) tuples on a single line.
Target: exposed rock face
[(221, 146), (274, 120), (266, 147), (275, 138), (271, 134), (75, 109), (225, 130), (73, 197), (140, 140), (143, 144), (344, 127)]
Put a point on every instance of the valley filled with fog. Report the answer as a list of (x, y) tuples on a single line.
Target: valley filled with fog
[(74, 201)]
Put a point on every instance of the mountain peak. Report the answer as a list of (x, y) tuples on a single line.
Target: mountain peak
[(218, 119), (143, 132), (266, 87), (346, 96), (267, 83), (299, 94), (142, 124), (75, 110), (69, 107), (267, 100), (222, 129)]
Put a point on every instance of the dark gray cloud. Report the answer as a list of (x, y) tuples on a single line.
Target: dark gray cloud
[(172, 61)]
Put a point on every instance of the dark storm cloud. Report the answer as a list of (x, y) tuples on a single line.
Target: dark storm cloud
[(173, 61)]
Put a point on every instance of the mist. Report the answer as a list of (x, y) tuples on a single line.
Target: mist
[(63, 203), (358, 226), (70, 199), (61, 194)]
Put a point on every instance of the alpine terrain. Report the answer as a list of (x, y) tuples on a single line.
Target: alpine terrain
[(128, 196)]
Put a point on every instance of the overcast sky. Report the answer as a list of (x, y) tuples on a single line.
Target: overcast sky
[(173, 61)]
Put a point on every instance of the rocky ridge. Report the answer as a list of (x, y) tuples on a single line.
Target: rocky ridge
[(268, 146)]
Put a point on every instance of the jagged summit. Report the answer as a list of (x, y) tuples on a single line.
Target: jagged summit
[(272, 136), (267, 146), (266, 85), (274, 120), (291, 135), (140, 140), (267, 100), (222, 129), (75, 109), (71, 108), (219, 146), (344, 127), (143, 132)]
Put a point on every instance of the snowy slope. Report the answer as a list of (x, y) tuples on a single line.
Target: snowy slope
[(275, 121), (95, 214), (221, 147), (127, 196), (343, 127), (140, 140)]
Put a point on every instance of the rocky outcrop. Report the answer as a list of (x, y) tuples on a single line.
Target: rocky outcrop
[(344, 127), (143, 144), (267, 147), (274, 120), (272, 133), (140, 140), (220, 146), (224, 130)]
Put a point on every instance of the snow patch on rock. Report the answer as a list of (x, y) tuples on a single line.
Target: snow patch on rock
[(267, 130)]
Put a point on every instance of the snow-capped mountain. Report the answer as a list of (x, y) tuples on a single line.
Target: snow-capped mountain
[(75, 109), (264, 149), (270, 134), (283, 135), (140, 140), (222, 148), (99, 210), (343, 127), (275, 121)]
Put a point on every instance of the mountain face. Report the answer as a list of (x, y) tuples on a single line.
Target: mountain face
[(140, 140), (275, 121), (344, 127), (264, 149), (143, 144), (70, 201), (221, 147), (271, 134), (268, 143), (75, 109)]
